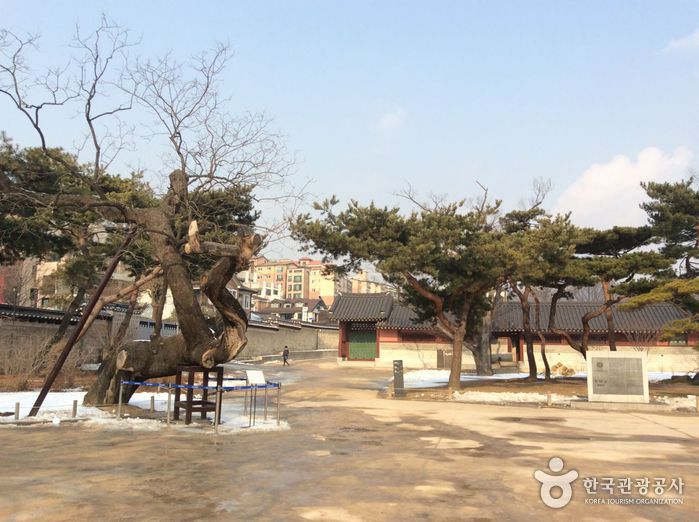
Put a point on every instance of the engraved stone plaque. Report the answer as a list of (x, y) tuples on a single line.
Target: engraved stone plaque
[(617, 377)]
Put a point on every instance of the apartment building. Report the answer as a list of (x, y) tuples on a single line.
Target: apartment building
[(363, 283), (304, 278)]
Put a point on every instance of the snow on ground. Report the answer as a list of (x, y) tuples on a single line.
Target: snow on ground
[(500, 397), (58, 406), (687, 402), (436, 378), (56, 403)]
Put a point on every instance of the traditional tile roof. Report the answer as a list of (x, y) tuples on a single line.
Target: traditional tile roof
[(404, 318), (507, 317), (362, 307), (382, 308), (27, 313)]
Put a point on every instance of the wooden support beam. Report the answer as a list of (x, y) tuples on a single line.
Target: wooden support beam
[(81, 324)]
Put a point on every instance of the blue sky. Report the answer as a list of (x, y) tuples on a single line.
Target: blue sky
[(374, 95)]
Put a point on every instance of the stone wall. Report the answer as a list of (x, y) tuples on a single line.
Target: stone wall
[(270, 340), (20, 340)]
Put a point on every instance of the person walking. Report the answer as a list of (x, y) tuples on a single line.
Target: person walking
[(285, 356)]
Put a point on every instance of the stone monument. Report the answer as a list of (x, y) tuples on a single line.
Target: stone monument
[(617, 377)]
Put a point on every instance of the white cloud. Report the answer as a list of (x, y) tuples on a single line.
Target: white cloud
[(689, 42), (609, 194), (391, 121)]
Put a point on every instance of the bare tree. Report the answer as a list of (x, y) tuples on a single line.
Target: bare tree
[(208, 150), (19, 281)]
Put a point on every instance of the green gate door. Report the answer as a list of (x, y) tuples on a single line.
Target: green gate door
[(362, 345)]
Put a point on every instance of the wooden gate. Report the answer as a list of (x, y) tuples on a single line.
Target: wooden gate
[(362, 345)]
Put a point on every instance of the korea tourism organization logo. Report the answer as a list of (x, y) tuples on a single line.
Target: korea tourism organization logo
[(556, 488), (551, 482)]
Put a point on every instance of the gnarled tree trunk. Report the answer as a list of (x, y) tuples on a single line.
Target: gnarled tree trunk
[(196, 344)]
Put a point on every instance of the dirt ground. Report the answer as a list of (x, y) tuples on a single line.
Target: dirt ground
[(350, 455)]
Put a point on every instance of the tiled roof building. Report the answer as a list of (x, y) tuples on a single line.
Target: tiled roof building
[(377, 328)]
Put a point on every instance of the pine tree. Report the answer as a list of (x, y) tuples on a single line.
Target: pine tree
[(445, 259)]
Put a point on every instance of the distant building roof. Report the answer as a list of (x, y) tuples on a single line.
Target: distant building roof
[(362, 307), (27, 313), (507, 317), (236, 283), (280, 310), (309, 303)]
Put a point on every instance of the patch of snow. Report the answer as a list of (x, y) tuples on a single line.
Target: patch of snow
[(689, 402), (238, 363), (55, 403), (676, 403), (58, 406), (663, 376), (434, 378), (125, 423), (505, 397)]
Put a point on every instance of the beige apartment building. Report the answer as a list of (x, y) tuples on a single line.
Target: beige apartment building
[(35, 283), (293, 279), (363, 283)]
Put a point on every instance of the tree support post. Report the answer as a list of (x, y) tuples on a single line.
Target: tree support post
[(279, 394), (266, 402), (252, 407), (121, 391), (254, 411), (217, 413), (75, 408), (169, 403), (83, 319)]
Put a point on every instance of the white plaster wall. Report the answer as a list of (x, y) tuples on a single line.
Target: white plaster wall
[(660, 358), (413, 355)]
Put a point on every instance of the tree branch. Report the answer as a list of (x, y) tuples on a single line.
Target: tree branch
[(437, 301)]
